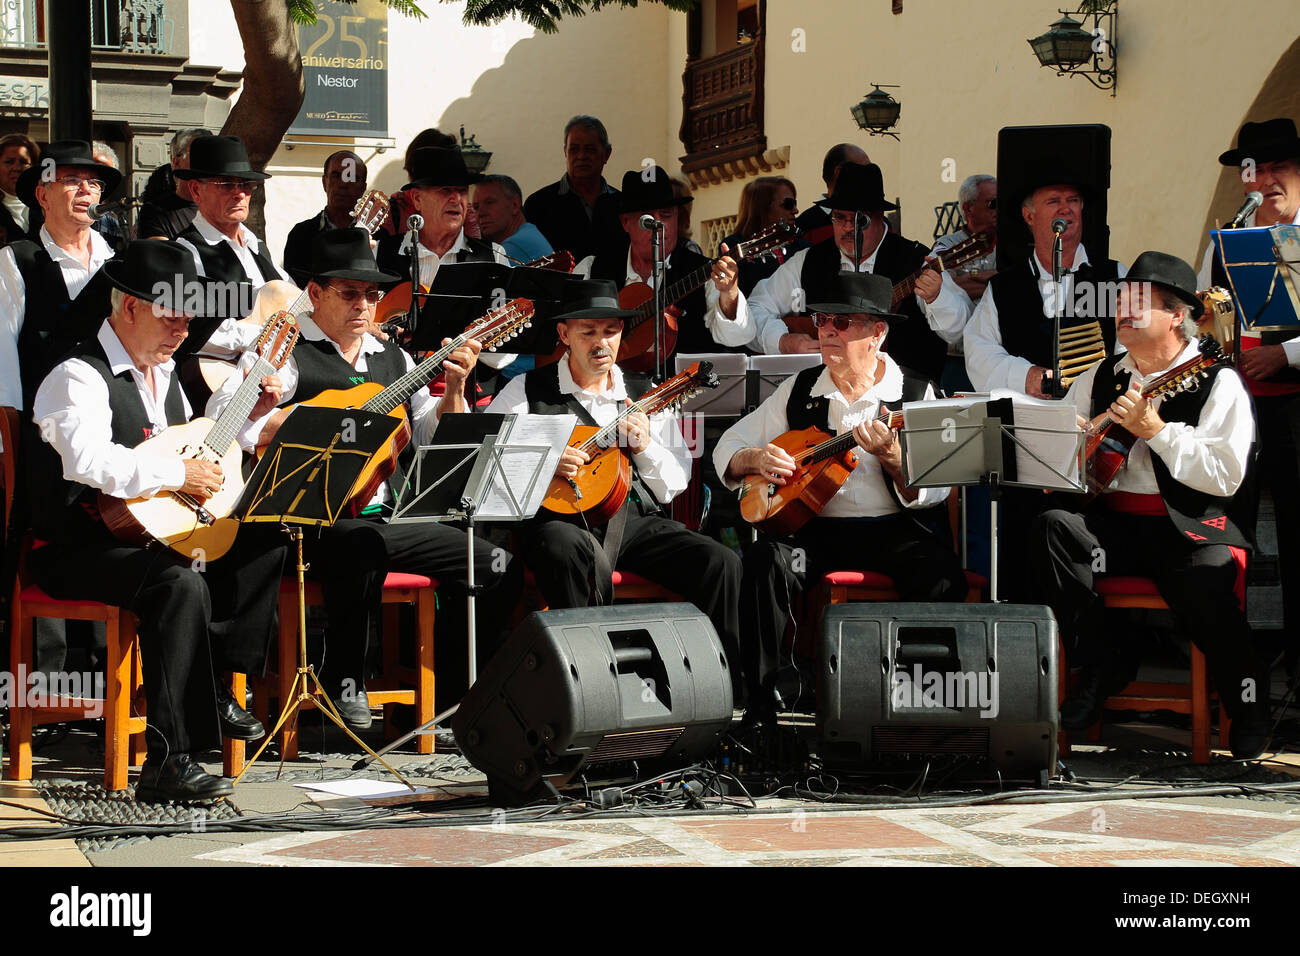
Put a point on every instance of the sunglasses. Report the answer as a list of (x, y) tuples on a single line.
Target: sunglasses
[(353, 296), (234, 185), (789, 203), (840, 323)]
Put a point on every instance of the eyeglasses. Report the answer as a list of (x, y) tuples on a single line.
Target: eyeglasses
[(234, 185), (353, 296), (840, 323), (847, 219), (76, 182), (789, 202)]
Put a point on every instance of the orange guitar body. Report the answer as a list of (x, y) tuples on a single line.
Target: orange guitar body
[(381, 466), (396, 301), (636, 352), (603, 483), (784, 509)]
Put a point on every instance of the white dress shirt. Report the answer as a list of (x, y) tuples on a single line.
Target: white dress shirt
[(13, 302), (863, 494), (665, 464), (775, 297), (1205, 279), (18, 210), (431, 262), (72, 412), (988, 364), (421, 408), (1209, 456)]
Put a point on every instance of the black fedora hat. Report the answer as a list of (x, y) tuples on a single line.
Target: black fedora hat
[(64, 152), (1049, 172), (592, 299), (215, 156), (438, 166), (1264, 142), (645, 190), (1170, 273), (157, 271), (855, 293), (344, 254), (859, 189)]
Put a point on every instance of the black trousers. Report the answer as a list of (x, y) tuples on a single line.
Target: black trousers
[(1195, 581), (176, 603), (351, 560), (1278, 419), (921, 564), (707, 574)]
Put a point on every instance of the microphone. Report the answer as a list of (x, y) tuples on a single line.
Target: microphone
[(98, 210), (650, 224), (1254, 199), (414, 222), (1059, 226)]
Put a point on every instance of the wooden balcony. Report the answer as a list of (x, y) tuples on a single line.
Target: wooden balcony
[(722, 107)]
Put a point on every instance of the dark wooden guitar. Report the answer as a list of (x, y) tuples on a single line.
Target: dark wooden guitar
[(822, 464), (976, 247), (601, 485), (1108, 445)]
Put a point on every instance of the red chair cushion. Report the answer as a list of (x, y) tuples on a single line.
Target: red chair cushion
[(34, 595), (398, 580), (859, 579), (628, 577), (1130, 584)]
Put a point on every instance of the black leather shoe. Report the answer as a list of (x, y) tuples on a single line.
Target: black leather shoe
[(237, 723), (354, 708), (179, 778), (1082, 708), (1246, 740)]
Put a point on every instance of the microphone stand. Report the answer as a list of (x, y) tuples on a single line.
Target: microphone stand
[(657, 277), (1058, 296), (414, 223), (859, 227)]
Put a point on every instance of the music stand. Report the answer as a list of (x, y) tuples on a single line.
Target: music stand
[(305, 478), (977, 441), (460, 292), (1257, 262), (479, 467)]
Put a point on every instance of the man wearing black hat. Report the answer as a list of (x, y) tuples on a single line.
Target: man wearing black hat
[(1176, 513), (49, 297), (565, 557), (344, 180), (1008, 342), (352, 557), (704, 325), (814, 223), (871, 523), (116, 389), (580, 211), (1268, 155), (934, 317)]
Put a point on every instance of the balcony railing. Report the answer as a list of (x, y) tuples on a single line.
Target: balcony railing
[(132, 26), (722, 100)]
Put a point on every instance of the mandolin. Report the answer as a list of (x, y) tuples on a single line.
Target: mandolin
[(601, 485), (976, 247), (189, 525), (490, 330), (1108, 445), (822, 464), (278, 297)]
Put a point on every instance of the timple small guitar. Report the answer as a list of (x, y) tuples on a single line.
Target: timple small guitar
[(189, 525), (601, 485)]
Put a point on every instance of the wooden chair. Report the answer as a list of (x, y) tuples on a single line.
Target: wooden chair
[(399, 588)]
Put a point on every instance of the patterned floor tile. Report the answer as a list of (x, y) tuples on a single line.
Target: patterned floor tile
[(810, 832), (438, 846), (1201, 827), (638, 848)]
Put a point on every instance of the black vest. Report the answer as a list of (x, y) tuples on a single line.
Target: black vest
[(1022, 318), (693, 336), (65, 509), (320, 367), (53, 323), (1203, 519), (542, 389), (804, 411), (911, 343), (220, 262)]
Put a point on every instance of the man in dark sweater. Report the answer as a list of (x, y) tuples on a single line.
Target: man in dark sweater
[(580, 211)]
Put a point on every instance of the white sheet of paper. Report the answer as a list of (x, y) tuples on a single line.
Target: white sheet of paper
[(544, 438), (361, 787)]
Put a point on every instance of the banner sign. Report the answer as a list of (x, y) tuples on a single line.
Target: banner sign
[(345, 70)]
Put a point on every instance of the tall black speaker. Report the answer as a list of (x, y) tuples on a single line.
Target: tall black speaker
[(595, 686), (1083, 151), (903, 683)]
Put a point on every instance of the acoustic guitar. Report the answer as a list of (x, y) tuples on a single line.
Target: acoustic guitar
[(602, 484), (822, 464), (277, 296), (490, 330), (1107, 446), (975, 247), (189, 525)]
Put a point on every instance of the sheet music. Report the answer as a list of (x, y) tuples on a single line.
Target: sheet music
[(1050, 428), (518, 465)]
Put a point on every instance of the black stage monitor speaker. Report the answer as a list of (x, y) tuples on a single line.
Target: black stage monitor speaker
[(592, 686), (900, 683), (1082, 152)]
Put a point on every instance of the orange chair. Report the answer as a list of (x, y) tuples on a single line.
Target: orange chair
[(845, 586), (399, 588)]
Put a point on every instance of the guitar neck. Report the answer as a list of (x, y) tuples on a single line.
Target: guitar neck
[(674, 293), (226, 428), (845, 440), (399, 393), (647, 405)]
